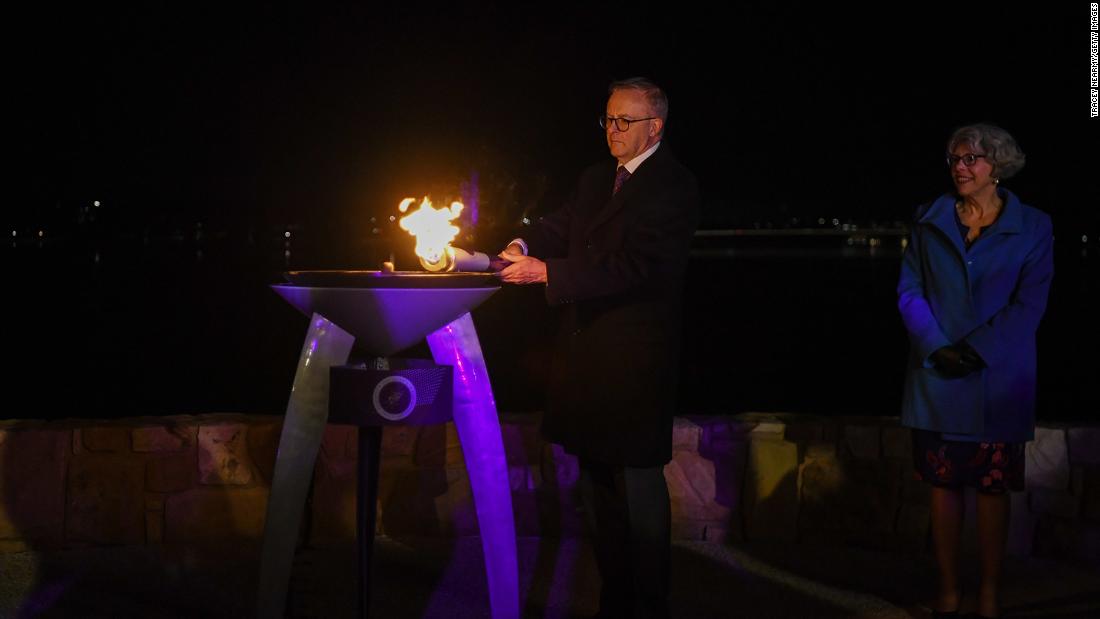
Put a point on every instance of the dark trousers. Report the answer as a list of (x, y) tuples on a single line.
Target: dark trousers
[(628, 513)]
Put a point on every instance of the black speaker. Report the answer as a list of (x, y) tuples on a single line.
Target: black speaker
[(418, 393)]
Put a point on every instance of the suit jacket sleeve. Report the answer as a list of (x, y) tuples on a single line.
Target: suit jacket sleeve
[(925, 332), (549, 238)]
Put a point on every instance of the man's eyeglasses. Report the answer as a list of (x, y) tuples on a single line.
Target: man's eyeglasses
[(622, 124), (968, 159)]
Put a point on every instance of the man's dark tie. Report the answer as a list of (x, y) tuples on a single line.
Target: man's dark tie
[(620, 177)]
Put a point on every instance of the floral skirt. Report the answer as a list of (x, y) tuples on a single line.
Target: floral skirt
[(991, 468)]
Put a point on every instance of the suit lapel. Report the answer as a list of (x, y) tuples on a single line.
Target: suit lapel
[(630, 187)]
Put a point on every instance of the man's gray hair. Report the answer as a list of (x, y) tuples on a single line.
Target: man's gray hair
[(654, 96)]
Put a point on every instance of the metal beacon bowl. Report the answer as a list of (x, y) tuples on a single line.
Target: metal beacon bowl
[(395, 279)]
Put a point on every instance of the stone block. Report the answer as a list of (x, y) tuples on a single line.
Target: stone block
[(1021, 526), (528, 521), (719, 432), (911, 531), (686, 434), (1060, 539), (337, 467), (32, 485), (333, 502), (1090, 494), (856, 501), (804, 429), (399, 440), (162, 439), (522, 442), (689, 530), (1047, 460), (897, 442), (173, 473), (771, 491), (223, 455), (11, 546), (523, 478), (438, 446), (561, 470), (215, 513), (873, 500), (1054, 503), (692, 489), (831, 431), (1084, 445), (560, 512), (726, 444), (106, 438), (351, 449), (861, 441), (154, 502), (263, 443), (455, 507), (334, 443), (154, 527), (407, 501), (768, 429), (821, 487), (106, 500)]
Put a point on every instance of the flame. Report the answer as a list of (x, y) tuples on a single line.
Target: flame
[(432, 228)]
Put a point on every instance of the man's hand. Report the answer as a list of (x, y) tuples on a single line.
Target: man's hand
[(523, 270), (955, 363), (511, 252)]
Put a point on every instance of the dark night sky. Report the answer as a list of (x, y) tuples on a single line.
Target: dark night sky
[(268, 115), (252, 119)]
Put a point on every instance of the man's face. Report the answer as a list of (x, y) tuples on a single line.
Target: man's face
[(626, 145)]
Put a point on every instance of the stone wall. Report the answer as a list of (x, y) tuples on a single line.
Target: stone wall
[(205, 479)]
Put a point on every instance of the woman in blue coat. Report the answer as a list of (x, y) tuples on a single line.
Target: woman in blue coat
[(974, 283)]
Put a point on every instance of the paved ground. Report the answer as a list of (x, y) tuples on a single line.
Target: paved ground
[(445, 579)]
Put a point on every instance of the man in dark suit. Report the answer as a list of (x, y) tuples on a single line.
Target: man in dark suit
[(614, 258)]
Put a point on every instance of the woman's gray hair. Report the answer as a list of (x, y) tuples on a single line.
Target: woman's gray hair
[(996, 144), (653, 94)]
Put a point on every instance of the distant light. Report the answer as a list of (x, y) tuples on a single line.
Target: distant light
[(374, 230), (287, 234), (1084, 237), (14, 233), (527, 221), (95, 203), (836, 221), (392, 218), (41, 234), (372, 220), (821, 221)]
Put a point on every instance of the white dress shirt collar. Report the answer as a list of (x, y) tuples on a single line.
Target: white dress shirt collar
[(637, 161)]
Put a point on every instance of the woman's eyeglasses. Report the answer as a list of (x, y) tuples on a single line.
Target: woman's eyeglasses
[(968, 159)]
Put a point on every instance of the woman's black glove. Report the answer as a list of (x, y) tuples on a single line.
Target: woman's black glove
[(957, 360), (969, 355)]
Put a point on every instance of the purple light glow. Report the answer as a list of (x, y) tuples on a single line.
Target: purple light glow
[(475, 415), (470, 197)]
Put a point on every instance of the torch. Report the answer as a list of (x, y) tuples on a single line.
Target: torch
[(434, 232)]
